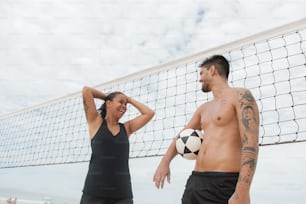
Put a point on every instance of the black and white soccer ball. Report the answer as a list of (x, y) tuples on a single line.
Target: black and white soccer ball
[(188, 143)]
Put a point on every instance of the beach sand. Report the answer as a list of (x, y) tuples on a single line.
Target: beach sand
[(4, 202), (22, 202)]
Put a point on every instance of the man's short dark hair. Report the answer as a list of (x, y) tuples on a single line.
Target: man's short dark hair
[(220, 62)]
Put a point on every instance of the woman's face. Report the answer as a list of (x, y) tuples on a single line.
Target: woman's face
[(117, 106)]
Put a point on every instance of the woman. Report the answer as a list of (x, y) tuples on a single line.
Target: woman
[(108, 178)]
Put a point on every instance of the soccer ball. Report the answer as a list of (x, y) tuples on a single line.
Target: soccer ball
[(188, 143)]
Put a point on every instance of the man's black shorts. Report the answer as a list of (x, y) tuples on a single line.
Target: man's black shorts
[(209, 187)]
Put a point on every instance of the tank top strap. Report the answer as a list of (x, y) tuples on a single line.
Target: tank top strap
[(122, 128)]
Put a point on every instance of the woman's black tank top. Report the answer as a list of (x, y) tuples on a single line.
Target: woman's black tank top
[(108, 174)]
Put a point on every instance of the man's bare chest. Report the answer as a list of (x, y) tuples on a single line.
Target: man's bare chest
[(218, 113)]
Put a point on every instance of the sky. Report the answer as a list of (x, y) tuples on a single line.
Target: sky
[(49, 49)]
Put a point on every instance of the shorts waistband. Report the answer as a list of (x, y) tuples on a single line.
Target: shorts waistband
[(215, 173)]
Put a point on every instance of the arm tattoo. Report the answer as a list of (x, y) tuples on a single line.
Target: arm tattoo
[(245, 140), (248, 160), (236, 196), (249, 155), (247, 103), (247, 97), (249, 120)]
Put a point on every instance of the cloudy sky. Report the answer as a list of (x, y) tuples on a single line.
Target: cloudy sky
[(51, 48)]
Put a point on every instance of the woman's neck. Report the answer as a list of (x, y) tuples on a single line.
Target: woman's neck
[(111, 120)]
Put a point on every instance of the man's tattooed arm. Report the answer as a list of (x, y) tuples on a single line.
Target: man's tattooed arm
[(248, 118)]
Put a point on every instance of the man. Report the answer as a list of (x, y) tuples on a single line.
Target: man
[(227, 159)]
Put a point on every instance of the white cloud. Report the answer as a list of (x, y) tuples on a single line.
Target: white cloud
[(64, 44)]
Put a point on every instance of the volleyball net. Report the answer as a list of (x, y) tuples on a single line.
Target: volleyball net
[(271, 64)]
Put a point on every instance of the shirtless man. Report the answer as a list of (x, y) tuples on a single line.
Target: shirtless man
[(226, 163)]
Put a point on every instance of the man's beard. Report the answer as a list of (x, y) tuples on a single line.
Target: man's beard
[(205, 88)]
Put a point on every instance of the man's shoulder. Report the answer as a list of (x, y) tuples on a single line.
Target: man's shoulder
[(204, 106), (238, 89), (236, 94), (242, 94)]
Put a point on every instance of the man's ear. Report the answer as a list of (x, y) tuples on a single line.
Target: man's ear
[(213, 69)]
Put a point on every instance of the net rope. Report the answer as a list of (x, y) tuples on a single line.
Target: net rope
[(273, 68)]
